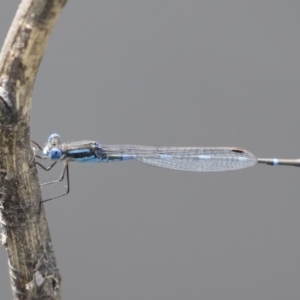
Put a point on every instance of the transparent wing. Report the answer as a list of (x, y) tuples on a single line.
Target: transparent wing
[(185, 158)]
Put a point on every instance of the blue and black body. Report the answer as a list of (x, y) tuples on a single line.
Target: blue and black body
[(194, 159), (83, 151)]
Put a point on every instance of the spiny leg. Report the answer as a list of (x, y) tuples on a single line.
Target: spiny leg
[(65, 172), (46, 168), (38, 156), (40, 148)]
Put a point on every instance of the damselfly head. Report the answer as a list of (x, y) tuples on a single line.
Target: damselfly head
[(53, 142)]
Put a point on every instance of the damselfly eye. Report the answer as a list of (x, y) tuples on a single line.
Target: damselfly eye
[(55, 154)]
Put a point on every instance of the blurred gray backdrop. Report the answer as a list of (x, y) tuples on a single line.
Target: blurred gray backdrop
[(173, 73)]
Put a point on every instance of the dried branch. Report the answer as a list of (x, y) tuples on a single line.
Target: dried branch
[(25, 233)]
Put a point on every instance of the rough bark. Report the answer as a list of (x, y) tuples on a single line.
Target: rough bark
[(25, 234)]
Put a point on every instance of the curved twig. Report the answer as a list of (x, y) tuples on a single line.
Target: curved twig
[(25, 233)]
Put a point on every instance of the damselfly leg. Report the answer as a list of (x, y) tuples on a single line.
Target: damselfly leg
[(61, 178)]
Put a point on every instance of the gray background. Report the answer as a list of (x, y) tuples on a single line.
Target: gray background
[(173, 73)]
